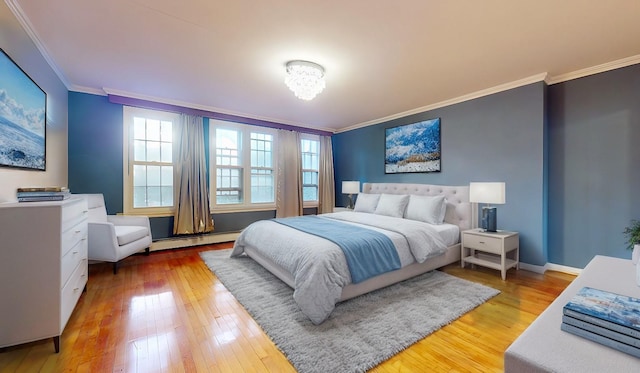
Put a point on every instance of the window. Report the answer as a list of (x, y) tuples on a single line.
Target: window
[(244, 166), (148, 161), (310, 149)]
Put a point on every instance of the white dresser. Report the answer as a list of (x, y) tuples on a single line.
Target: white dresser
[(43, 268)]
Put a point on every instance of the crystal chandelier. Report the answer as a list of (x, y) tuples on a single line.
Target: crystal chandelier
[(305, 79)]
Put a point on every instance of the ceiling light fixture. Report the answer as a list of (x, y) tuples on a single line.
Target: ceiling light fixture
[(305, 79)]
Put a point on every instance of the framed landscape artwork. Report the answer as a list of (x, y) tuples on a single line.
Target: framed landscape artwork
[(413, 147), (23, 109)]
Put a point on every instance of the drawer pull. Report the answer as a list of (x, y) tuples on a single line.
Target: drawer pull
[(78, 231), (75, 252), (75, 289), (482, 242)]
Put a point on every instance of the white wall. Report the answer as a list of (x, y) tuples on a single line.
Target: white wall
[(19, 46)]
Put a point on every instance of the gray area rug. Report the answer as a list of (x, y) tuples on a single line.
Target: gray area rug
[(361, 332)]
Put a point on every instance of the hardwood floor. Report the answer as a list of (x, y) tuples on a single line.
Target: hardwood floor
[(168, 313)]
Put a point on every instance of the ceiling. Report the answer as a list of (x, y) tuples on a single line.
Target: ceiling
[(383, 59)]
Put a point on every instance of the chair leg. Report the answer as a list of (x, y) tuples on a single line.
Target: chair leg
[(146, 251), (115, 268)]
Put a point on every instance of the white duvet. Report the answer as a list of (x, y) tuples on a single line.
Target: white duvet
[(319, 267)]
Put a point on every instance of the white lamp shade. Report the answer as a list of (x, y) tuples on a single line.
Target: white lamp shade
[(493, 192), (350, 187)]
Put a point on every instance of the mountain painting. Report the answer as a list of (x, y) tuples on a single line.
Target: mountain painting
[(22, 118), (413, 147)]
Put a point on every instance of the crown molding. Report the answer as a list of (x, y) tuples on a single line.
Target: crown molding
[(115, 92), (633, 60), (485, 92), (91, 90), (30, 30)]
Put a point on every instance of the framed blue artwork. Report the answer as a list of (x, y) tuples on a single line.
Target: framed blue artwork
[(413, 147), (23, 109)]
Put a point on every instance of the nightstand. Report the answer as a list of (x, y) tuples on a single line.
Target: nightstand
[(498, 250)]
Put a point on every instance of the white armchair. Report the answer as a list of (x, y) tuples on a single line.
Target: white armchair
[(115, 237)]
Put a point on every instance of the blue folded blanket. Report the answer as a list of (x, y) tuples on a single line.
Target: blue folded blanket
[(369, 253)]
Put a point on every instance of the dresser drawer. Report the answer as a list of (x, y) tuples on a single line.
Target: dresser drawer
[(70, 238), (71, 259), (74, 212), (71, 292), (484, 243)]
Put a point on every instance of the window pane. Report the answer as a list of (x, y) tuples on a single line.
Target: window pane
[(226, 139), (166, 177), (139, 197), (227, 147), (166, 131), (153, 151), (153, 176), (167, 195), (139, 176), (154, 198), (139, 128), (153, 129), (262, 188), (310, 193), (139, 151), (228, 197), (166, 152)]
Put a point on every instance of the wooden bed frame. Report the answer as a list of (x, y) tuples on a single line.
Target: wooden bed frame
[(459, 212)]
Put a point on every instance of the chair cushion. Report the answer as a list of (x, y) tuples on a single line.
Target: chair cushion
[(129, 233)]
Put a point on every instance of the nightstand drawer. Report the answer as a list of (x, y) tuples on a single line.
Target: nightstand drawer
[(484, 243)]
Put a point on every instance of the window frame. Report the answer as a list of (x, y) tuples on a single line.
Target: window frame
[(129, 113), (245, 157)]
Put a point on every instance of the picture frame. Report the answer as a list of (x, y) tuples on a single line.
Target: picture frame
[(414, 147), (23, 113)]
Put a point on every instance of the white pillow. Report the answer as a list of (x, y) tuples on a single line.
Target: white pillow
[(366, 202), (429, 209), (392, 205)]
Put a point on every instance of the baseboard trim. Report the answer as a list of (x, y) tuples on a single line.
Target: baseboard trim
[(550, 267), (564, 269), (208, 239), (532, 267)]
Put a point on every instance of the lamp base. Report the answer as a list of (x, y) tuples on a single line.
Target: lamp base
[(489, 218), (351, 205)]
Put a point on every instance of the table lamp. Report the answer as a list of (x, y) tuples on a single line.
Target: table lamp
[(489, 193), (350, 188)]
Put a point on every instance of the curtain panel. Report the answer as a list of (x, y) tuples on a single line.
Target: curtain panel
[(191, 197), (289, 188), (326, 184)]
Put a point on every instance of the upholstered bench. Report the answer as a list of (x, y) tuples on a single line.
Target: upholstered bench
[(543, 347)]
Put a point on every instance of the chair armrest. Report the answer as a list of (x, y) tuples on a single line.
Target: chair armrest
[(142, 221), (102, 241)]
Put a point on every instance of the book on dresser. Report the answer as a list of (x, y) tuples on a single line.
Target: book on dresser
[(36, 194), (604, 317)]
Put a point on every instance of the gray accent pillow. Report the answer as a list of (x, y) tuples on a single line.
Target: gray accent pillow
[(429, 209), (392, 205), (366, 203)]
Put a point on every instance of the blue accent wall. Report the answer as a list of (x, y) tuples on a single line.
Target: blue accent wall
[(500, 137), (594, 168), (95, 148)]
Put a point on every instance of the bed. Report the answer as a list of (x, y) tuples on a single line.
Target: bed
[(316, 268)]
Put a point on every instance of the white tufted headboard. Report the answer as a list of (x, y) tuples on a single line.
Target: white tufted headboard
[(459, 209)]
